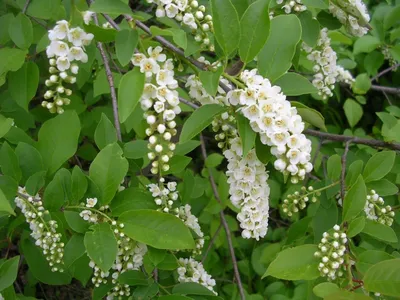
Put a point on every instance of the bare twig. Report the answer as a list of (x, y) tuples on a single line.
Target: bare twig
[(354, 140), (188, 103), (212, 241), (343, 173), (224, 223), (110, 80), (387, 89), (380, 74), (26, 6)]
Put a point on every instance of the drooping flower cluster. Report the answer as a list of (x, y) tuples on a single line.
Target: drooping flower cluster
[(190, 13), (67, 46), (376, 210), (353, 14), (327, 72), (248, 190), (44, 230), (295, 5), (191, 221), (277, 122), (298, 200), (331, 251), (129, 256), (191, 270), (164, 194), (160, 101)]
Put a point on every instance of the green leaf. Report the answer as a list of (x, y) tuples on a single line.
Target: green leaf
[(105, 133), (191, 288), (214, 160), (157, 229), (169, 263), (373, 61), (362, 84), (136, 149), (384, 278), (369, 258), (276, 56), (5, 125), (177, 164), (309, 115), (79, 184), (58, 191), (35, 182), (254, 27), (356, 226), (327, 20), (178, 35), (125, 44), (310, 28), (263, 152), (116, 7), (107, 171), (316, 4), (366, 44), (346, 295), (11, 59), (76, 222), (156, 256), (325, 289), (45, 9), (210, 80), (392, 17), (288, 266), (132, 278), (246, 133), (20, 31), (5, 204), (23, 84), (334, 167), (226, 25), (30, 160), (9, 162), (8, 272), (101, 34), (58, 140), (74, 250), (354, 201), (379, 165), (354, 170), (200, 119), (131, 199), (293, 84), (380, 231), (129, 92), (383, 187), (353, 111), (101, 245)]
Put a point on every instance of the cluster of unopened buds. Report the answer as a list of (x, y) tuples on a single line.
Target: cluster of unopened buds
[(87, 214), (191, 270), (376, 210), (295, 5), (65, 49), (327, 72), (248, 189), (164, 195), (277, 122), (225, 131), (331, 251), (160, 101), (298, 200), (190, 13), (44, 231), (353, 14)]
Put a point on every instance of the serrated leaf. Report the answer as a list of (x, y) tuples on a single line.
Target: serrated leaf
[(125, 44), (354, 201), (246, 133), (384, 277), (105, 133), (210, 80), (293, 84), (310, 115), (20, 31), (379, 165), (116, 7)]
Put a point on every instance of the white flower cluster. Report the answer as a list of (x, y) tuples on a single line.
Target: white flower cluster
[(164, 194), (87, 214), (296, 5), (248, 190), (277, 122), (66, 46), (191, 270), (199, 93), (188, 12), (192, 222), (160, 101), (332, 249), (327, 72), (376, 210), (353, 14), (298, 200), (44, 231)]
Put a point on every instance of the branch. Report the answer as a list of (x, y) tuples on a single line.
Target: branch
[(380, 74), (110, 80), (343, 172), (387, 89), (224, 223), (211, 243), (26, 6), (354, 140)]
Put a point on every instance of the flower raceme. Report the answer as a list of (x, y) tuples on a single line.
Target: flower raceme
[(67, 46)]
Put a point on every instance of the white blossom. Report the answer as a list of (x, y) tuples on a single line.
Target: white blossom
[(376, 210), (191, 270)]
